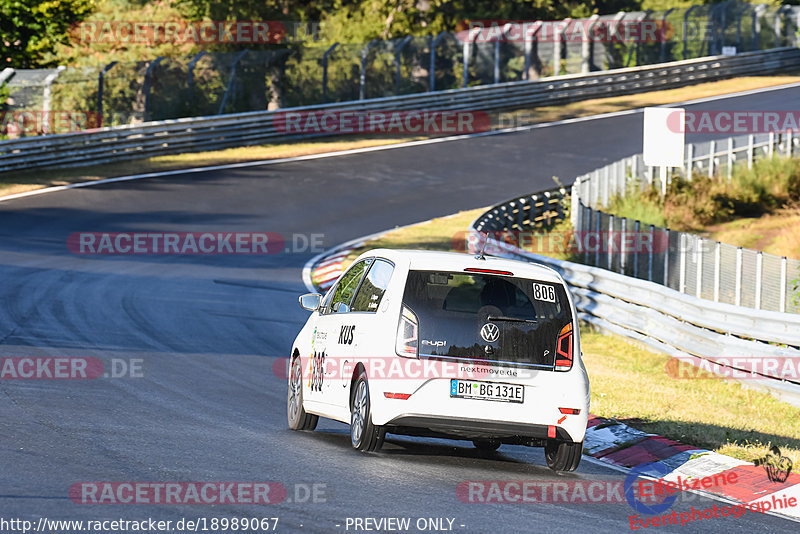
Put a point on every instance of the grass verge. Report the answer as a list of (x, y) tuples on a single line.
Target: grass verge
[(630, 383), (20, 181)]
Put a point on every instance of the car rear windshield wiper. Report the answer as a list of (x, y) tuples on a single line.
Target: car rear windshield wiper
[(510, 319)]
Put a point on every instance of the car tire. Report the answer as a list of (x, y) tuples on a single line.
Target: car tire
[(486, 445), (364, 436), (563, 455), (295, 413)]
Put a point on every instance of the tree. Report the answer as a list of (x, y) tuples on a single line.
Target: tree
[(30, 30)]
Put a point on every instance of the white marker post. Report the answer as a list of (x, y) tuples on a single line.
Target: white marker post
[(663, 140)]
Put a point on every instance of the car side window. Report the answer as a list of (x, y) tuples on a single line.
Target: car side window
[(369, 295), (347, 286)]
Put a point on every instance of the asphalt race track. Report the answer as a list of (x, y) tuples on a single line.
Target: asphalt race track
[(208, 403)]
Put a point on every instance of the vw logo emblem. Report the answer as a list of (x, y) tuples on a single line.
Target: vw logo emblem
[(490, 332)]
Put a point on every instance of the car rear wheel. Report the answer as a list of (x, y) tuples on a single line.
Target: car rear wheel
[(364, 436), (297, 416), (562, 455), (486, 445)]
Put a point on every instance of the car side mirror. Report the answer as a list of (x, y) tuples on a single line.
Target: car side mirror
[(310, 301)]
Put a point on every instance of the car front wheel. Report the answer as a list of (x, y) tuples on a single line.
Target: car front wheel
[(297, 416), (364, 436)]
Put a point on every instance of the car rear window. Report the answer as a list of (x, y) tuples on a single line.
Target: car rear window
[(487, 317)]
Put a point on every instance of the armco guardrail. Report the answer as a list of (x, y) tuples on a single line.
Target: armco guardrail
[(689, 263), (211, 133)]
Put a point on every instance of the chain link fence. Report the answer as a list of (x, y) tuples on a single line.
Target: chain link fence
[(305, 74)]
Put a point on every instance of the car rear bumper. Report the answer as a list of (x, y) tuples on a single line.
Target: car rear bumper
[(476, 428)]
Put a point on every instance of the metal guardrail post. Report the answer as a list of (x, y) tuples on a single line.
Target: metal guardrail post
[(231, 80), (771, 143), (750, 151), (147, 84), (327, 53), (362, 78), (48, 83), (689, 161), (434, 41), (100, 84), (190, 77), (610, 242), (622, 239), (398, 75)]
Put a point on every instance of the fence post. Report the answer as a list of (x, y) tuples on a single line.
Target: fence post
[(597, 231), (712, 147), (750, 141), (48, 83), (362, 78), (650, 254), (100, 82), (610, 243), (586, 45), (788, 143), (606, 179), (622, 251), (698, 243), (771, 142), (717, 259), (148, 82), (190, 78), (682, 279), (759, 271), (327, 53), (231, 80), (686, 30), (637, 249), (730, 158), (398, 75), (465, 53), (662, 55), (434, 42), (782, 304), (666, 260), (586, 230), (738, 297), (689, 160)]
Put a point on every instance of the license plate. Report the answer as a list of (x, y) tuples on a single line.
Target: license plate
[(473, 389)]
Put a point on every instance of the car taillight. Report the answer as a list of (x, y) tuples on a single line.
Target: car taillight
[(564, 349), (407, 343)]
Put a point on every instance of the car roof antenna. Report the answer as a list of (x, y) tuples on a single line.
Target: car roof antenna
[(482, 256)]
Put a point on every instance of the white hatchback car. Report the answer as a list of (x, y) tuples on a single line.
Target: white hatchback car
[(445, 345)]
